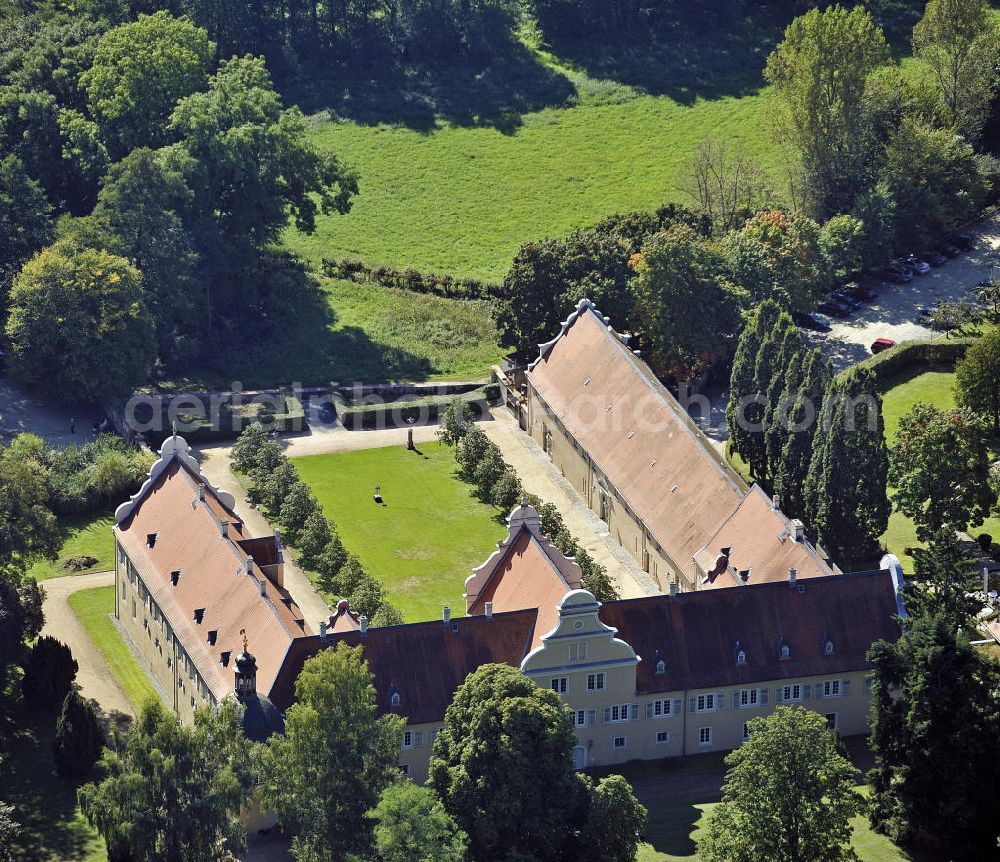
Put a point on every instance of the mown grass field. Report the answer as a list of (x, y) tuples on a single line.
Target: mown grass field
[(93, 608), (930, 387), (423, 543), (52, 827), (86, 535)]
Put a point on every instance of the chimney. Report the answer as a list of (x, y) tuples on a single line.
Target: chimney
[(224, 527), (800, 530), (489, 610), (446, 614), (776, 502), (263, 586), (249, 565), (673, 589), (363, 622), (201, 490), (791, 577), (322, 631)]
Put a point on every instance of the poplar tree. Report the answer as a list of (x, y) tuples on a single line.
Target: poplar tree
[(845, 487), (785, 370)]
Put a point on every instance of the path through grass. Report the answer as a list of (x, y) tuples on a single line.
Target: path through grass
[(423, 543), (93, 608), (87, 535)]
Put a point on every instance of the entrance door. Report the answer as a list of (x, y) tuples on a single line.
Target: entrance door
[(579, 757), (605, 508), (547, 440)]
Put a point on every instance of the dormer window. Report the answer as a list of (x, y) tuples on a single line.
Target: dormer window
[(784, 650), (395, 698), (213, 635), (151, 539), (175, 576), (827, 646), (660, 663), (199, 615), (224, 658), (741, 657)]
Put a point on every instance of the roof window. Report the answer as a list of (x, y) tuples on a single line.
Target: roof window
[(213, 636), (151, 539), (175, 576), (199, 615)]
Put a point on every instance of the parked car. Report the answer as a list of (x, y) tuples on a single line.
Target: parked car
[(880, 344), (815, 322), (949, 250), (963, 241), (864, 293), (934, 258), (834, 307), (920, 267), (896, 276), (924, 313), (851, 302)]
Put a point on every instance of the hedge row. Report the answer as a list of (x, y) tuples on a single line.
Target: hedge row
[(419, 411), (913, 354), (200, 429), (410, 279)]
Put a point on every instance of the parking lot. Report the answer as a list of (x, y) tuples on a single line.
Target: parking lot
[(894, 314)]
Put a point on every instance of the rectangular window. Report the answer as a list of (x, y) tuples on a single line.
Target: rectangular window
[(749, 697), (619, 712), (661, 708), (558, 684), (578, 651), (619, 742), (407, 739), (868, 685), (831, 720), (405, 768), (831, 688), (791, 692), (705, 736), (580, 718), (662, 737), (595, 682), (705, 703)]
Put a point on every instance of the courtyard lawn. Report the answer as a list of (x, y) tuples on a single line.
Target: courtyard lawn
[(424, 542), (86, 535), (93, 608), (930, 387), (52, 827)]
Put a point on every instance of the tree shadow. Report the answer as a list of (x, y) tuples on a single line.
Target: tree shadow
[(423, 97), (694, 58), (44, 802), (292, 337)]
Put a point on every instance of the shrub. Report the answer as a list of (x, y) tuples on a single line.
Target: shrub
[(49, 674), (79, 736)]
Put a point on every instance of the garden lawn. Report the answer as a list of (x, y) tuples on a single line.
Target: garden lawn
[(93, 608), (930, 387), (424, 542), (87, 535), (53, 829)]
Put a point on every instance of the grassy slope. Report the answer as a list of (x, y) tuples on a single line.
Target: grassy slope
[(931, 387), (425, 541), (53, 829), (83, 535), (462, 200), (93, 608)]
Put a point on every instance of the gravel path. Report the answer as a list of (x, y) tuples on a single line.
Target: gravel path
[(94, 676)]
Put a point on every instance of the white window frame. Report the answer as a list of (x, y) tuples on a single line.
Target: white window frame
[(559, 684), (749, 698), (596, 681), (578, 651), (662, 708), (791, 693), (705, 703), (832, 688), (579, 718), (827, 716), (705, 736), (619, 712), (407, 739), (741, 657), (662, 737), (623, 746)]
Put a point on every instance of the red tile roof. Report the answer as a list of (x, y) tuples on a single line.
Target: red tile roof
[(697, 633), (656, 458), (424, 662), (212, 575)]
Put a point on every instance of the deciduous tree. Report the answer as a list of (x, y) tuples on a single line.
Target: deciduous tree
[(411, 825), (334, 760), (788, 795), (977, 378), (939, 470)]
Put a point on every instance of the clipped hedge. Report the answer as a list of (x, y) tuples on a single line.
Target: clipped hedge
[(397, 414), (199, 429), (912, 354)]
